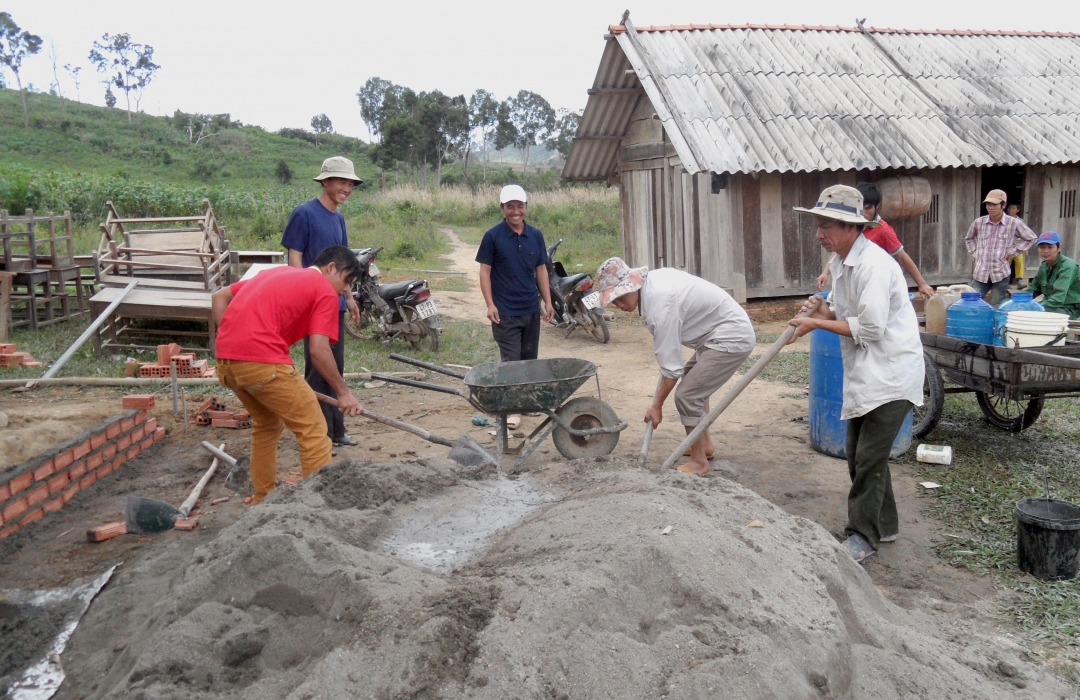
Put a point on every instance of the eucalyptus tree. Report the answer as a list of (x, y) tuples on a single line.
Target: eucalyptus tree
[(15, 45)]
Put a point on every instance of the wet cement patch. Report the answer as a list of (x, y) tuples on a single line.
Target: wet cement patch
[(442, 532)]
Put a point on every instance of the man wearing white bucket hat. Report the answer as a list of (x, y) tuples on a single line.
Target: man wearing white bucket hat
[(313, 227), (882, 355), (682, 310), (513, 258)]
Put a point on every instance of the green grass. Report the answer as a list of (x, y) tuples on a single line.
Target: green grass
[(792, 367), (991, 470), (99, 142)]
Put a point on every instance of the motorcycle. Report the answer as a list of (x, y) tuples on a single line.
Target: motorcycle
[(396, 310), (573, 301)]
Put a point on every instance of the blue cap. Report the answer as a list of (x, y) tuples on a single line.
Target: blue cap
[(1049, 237)]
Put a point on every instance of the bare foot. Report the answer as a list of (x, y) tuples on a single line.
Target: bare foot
[(697, 468)]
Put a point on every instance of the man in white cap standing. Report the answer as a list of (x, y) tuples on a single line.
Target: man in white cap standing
[(314, 226), (883, 360), (993, 241), (512, 259), (682, 310)]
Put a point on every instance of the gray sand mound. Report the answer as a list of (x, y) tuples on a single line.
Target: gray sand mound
[(585, 599)]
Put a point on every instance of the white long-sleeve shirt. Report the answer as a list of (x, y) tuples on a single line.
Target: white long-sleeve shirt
[(681, 309), (883, 358)]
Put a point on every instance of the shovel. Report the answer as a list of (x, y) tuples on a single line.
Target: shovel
[(149, 515), (465, 451), (239, 477)]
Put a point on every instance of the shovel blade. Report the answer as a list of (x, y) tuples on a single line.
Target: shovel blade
[(239, 477), (468, 453), (145, 515)]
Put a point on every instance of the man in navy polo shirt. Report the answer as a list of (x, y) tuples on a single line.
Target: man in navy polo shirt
[(512, 259), (314, 226)]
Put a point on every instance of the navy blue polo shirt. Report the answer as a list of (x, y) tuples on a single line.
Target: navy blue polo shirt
[(513, 260), (311, 229)]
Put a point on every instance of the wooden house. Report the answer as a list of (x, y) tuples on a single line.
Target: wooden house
[(713, 133)]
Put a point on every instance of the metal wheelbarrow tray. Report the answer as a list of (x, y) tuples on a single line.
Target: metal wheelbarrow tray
[(580, 427)]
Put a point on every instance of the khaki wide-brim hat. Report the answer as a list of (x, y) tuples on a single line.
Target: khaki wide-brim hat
[(842, 203), (337, 166)]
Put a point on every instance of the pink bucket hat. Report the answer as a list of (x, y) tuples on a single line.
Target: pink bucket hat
[(615, 278)]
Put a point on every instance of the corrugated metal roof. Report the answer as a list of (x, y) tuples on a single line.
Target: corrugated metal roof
[(781, 99)]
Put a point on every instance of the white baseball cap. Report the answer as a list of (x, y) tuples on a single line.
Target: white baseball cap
[(513, 193)]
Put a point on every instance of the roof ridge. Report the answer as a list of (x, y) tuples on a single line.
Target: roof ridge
[(620, 29)]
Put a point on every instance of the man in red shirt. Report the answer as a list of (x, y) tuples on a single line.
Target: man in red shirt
[(885, 236), (258, 320)]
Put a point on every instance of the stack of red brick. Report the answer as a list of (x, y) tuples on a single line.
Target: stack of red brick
[(10, 357), (214, 413), (45, 483), (186, 364)]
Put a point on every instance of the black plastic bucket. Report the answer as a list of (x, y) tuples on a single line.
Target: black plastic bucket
[(1048, 537)]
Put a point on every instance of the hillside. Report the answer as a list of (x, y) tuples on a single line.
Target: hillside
[(67, 136)]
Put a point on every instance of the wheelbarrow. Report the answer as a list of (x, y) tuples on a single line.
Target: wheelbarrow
[(584, 426)]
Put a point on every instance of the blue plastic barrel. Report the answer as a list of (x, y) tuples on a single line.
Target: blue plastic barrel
[(828, 434), (971, 319)]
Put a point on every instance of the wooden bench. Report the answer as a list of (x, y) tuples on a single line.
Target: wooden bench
[(179, 252), (119, 331)]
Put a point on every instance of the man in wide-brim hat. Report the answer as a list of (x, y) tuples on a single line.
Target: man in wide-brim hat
[(883, 362), (313, 227)]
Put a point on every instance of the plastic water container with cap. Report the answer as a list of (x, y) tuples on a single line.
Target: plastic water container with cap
[(1019, 301), (970, 319)]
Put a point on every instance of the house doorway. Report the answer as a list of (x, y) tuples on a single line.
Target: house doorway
[(1009, 178)]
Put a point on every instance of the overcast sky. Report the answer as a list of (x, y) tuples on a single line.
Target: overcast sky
[(277, 64)]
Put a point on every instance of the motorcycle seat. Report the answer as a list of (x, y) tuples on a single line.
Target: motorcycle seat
[(567, 284), (393, 290)]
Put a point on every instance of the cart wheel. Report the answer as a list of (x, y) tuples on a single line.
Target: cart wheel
[(927, 416), (585, 413), (1007, 414), (427, 341)]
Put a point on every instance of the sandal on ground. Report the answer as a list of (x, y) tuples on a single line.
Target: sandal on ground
[(513, 422), (346, 440), (858, 548), (685, 469), (889, 538)]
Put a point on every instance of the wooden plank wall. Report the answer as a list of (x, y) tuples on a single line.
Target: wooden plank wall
[(1046, 189), (747, 237)]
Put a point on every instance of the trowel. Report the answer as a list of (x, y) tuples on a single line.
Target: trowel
[(465, 450), (150, 515)]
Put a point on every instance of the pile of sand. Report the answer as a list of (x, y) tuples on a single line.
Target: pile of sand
[(585, 599)]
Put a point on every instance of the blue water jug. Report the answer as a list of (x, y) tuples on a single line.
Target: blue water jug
[(970, 319), (828, 434), (1020, 301)]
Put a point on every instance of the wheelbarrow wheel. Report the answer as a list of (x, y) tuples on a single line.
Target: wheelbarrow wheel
[(1008, 414), (926, 417), (585, 413)]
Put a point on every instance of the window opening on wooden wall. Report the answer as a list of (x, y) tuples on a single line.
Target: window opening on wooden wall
[(1067, 208), (931, 215)]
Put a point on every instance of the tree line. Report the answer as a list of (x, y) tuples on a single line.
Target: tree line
[(431, 129), (124, 64)]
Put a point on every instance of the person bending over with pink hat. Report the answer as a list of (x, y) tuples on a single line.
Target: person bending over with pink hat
[(683, 310)]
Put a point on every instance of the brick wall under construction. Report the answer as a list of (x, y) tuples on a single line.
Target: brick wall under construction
[(44, 483)]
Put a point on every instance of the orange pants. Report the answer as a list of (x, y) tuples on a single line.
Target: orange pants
[(277, 397)]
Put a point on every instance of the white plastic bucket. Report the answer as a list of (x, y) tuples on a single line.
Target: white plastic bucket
[(1030, 329)]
